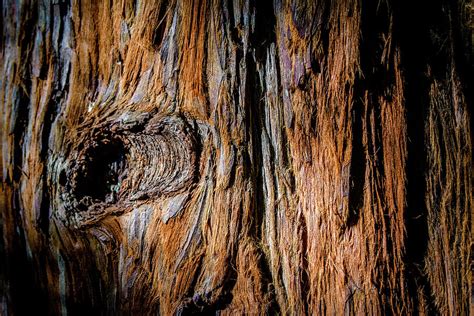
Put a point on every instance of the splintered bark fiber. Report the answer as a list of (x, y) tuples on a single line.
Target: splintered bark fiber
[(247, 157)]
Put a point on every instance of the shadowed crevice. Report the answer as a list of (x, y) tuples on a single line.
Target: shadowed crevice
[(260, 42), (412, 31)]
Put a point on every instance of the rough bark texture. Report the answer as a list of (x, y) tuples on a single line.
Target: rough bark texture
[(236, 156)]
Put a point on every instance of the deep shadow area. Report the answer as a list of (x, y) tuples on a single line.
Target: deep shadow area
[(99, 177)]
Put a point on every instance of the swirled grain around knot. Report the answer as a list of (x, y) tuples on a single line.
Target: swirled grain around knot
[(130, 161)]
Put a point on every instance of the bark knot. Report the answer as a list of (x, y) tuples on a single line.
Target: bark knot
[(132, 160)]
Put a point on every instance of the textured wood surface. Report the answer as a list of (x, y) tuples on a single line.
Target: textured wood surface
[(240, 157)]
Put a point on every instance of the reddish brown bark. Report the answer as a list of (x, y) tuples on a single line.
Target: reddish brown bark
[(251, 157)]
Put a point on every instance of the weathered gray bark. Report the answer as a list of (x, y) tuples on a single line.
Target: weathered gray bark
[(244, 157)]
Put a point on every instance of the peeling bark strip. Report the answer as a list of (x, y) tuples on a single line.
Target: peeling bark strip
[(243, 157)]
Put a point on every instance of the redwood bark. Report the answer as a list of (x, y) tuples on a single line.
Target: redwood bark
[(240, 157)]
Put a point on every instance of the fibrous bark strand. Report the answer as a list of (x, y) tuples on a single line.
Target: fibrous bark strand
[(243, 157)]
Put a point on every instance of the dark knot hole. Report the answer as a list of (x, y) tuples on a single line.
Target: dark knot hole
[(102, 172)]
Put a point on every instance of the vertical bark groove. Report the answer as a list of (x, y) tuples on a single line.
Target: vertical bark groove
[(236, 157)]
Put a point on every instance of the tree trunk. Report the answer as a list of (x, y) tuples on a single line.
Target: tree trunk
[(246, 157)]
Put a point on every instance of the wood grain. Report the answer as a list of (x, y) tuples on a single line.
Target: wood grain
[(236, 157)]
